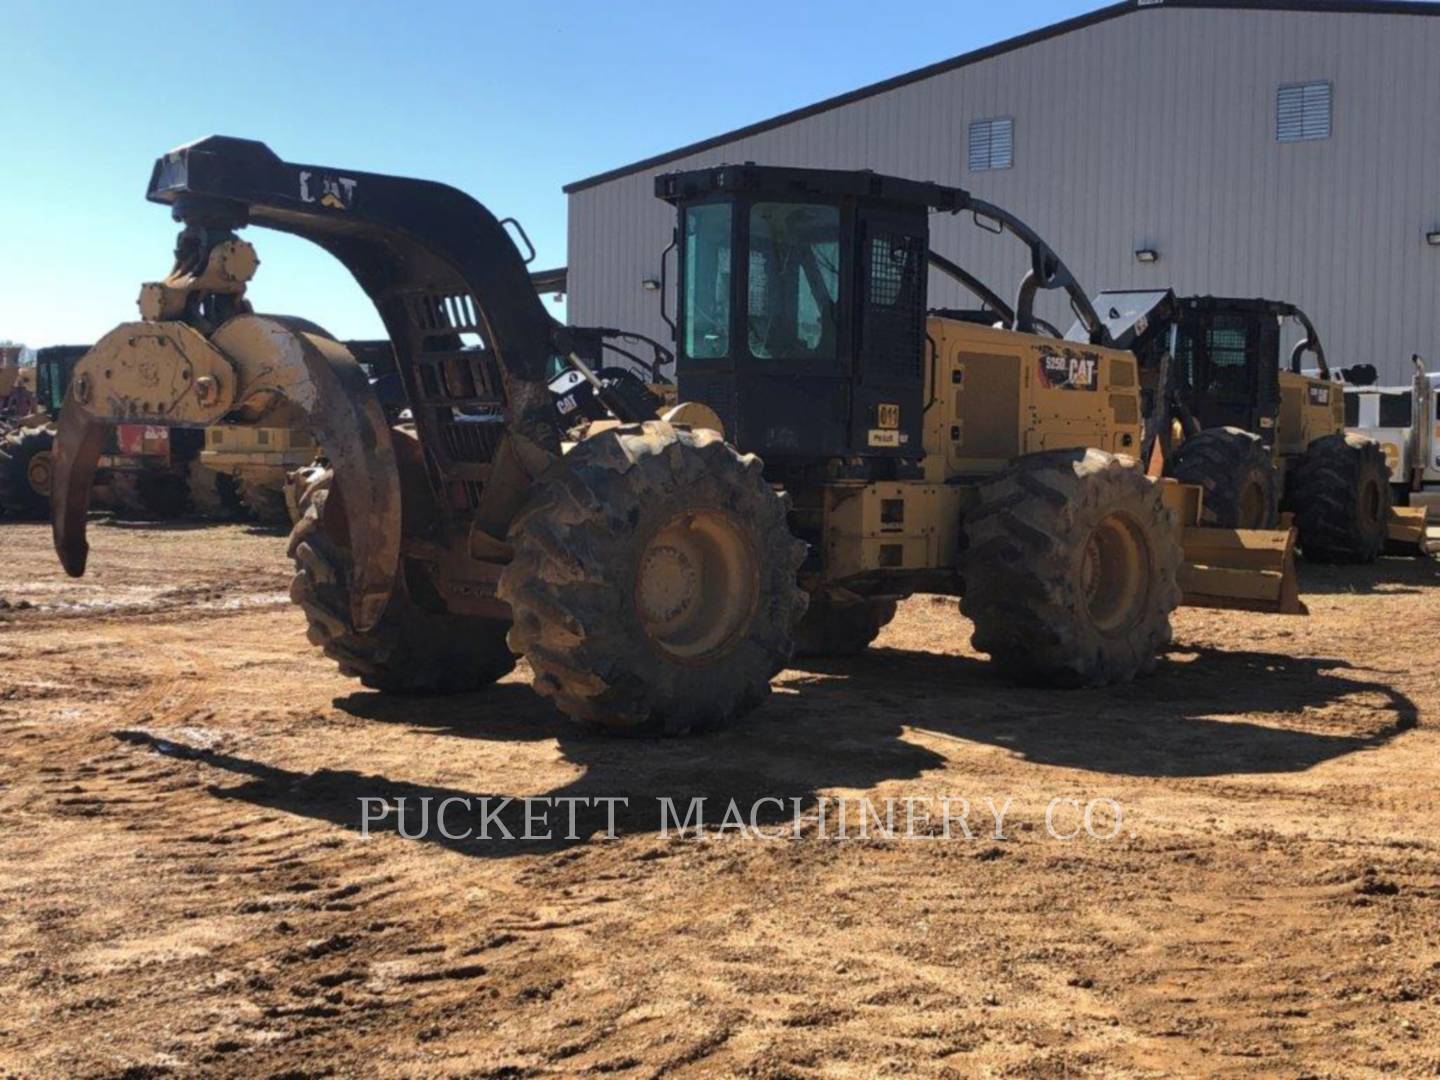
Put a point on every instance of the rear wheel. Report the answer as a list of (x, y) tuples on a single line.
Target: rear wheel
[(653, 581), (840, 623), (1236, 472), (151, 495), (1070, 569), (412, 650), (26, 468), (212, 493), (1340, 494), (265, 502)]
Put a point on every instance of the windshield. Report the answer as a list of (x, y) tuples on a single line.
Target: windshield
[(707, 281), (794, 281)]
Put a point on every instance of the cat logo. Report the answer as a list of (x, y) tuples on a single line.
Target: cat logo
[(1070, 371), (887, 415), (331, 192)]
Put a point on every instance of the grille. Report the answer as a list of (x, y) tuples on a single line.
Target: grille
[(471, 440), (453, 311), (893, 306)]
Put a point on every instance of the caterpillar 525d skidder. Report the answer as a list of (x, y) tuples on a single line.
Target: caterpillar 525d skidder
[(647, 571), (1260, 436), (647, 575), (967, 452)]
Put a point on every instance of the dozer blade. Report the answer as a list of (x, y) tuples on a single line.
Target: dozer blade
[(1244, 569), (1406, 532), (1239, 569)]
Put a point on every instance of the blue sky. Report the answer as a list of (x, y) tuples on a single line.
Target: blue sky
[(507, 101)]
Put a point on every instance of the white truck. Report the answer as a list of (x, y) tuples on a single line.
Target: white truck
[(1405, 421)]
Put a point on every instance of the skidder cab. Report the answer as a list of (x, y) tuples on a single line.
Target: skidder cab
[(972, 452), (1246, 420)]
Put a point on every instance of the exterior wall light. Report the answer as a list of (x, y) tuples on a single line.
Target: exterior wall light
[(1146, 255), (1433, 238), (650, 284)]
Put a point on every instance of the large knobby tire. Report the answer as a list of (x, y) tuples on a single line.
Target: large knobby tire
[(1340, 495), (1070, 569), (412, 650), (653, 581), (1237, 474), (26, 469), (151, 494), (212, 493), (839, 623), (265, 503)]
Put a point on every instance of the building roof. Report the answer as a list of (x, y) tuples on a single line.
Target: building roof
[(1045, 33)]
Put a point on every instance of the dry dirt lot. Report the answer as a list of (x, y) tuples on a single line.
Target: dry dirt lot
[(185, 891)]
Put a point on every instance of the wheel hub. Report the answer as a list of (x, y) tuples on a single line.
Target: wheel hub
[(669, 583), (1252, 506), (1115, 573), (39, 473), (696, 584)]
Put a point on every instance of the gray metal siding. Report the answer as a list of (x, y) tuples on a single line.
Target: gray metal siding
[(1156, 129)]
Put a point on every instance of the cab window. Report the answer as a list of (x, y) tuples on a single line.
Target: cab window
[(707, 281), (794, 281)]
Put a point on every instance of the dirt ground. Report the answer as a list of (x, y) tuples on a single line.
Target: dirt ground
[(185, 889)]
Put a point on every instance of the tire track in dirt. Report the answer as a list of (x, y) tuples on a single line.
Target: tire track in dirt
[(218, 914)]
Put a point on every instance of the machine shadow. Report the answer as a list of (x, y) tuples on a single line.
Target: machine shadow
[(1390, 574), (175, 524), (1171, 724), (773, 767), (185, 523), (847, 724)]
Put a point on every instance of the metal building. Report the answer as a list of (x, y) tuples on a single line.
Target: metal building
[(1276, 148)]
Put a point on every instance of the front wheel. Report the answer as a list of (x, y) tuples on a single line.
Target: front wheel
[(413, 649), (653, 583), (1340, 493), (1236, 472), (25, 471), (1070, 569)]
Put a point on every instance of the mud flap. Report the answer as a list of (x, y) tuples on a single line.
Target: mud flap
[(1406, 532), (1237, 569), (266, 359)]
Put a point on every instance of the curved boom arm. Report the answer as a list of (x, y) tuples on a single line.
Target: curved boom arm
[(1047, 271)]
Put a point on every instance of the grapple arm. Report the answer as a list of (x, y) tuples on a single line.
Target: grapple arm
[(168, 374)]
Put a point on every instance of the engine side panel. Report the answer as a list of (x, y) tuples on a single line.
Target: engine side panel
[(1309, 408), (996, 394)]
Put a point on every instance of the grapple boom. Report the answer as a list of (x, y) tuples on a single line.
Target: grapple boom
[(473, 348), (472, 337)]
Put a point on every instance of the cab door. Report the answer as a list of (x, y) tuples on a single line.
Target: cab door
[(1230, 365), (889, 394)]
